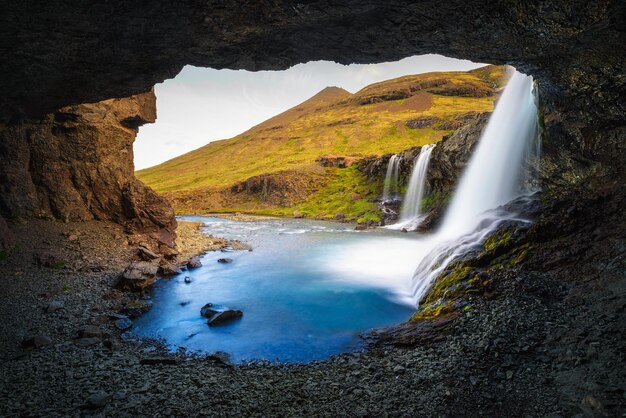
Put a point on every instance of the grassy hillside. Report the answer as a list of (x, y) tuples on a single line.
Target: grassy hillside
[(385, 117)]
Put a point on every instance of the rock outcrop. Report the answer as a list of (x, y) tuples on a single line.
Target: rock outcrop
[(77, 164)]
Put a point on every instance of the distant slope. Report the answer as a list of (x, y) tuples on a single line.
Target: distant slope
[(385, 117)]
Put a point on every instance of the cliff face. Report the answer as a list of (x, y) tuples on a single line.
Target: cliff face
[(77, 164)]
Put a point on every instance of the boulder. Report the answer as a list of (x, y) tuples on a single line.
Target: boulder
[(145, 254), (339, 217), (137, 308), (194, 263), (225, 317), (297, 214), (123, 324), (54, 306), (138, 276), (219, 315), (98, 399), (187, 279), (225, 260), (169, 269), (37, 341)]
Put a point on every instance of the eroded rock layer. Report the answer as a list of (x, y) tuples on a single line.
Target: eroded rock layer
[(77, 164)]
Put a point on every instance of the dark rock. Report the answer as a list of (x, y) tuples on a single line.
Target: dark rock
[(137, 308), (87, 342), (37, 341), (209, 310), (339, 217), (225, 260), (145, 254), (187, 279), (123, 324), (219, 315), (99, 399), (54, 306), (150, 361), (221, 358), (194, 263), (225, 317), (168, 269), (138, 276), (92, 331)]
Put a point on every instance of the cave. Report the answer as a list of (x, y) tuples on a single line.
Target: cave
[(77, 83)]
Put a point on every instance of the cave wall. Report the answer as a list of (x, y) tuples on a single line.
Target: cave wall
[(76, 164), (63, 53)]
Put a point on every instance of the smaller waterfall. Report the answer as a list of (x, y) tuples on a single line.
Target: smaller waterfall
[(410, 214), (390, 190)]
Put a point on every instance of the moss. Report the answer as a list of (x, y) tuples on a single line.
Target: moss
[(58, 265), (434, 200), (431, 311), (4, 255), (448, 284), (66, 288), (498, 241), (519, 255)]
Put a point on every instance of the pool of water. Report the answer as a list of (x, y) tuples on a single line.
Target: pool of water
[(307, 290)]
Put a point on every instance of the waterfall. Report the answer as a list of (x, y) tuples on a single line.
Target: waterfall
[(410, 215), (494, 176), (390, 190)]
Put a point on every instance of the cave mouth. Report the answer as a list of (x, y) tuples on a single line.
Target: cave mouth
[(312, 286)]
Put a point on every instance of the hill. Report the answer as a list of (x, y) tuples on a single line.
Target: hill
[(278, 166)]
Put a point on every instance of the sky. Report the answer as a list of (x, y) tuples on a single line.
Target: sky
[(201, 105)]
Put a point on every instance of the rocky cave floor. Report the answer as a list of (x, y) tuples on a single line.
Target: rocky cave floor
[(547, 340)]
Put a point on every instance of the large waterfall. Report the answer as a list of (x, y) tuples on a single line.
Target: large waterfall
[(390, 190), (494, 176), (505, 154)]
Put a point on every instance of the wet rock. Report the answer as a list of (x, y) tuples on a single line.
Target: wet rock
[(168, 269), (98, 399), (225, 260), (194, 263), (54, 306), (37, 341), (92, 331), (123, 324), (137, 308), (145, 254), (138, 276), (225, 317), (339, 217), (221, 358), (187, 279), (219, 315)]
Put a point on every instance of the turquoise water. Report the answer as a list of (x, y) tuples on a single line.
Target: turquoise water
[(307, 290)]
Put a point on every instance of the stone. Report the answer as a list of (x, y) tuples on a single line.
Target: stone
[(137, 308), (138, 276), (92, 331), (219, 315), (297, 214), (225, 317), (225, 260), (123, 324), (87, 342), (194, 263), (99, 399), (159, 360), (339, 217), (145, 254), (54, 306), (37, 341), (187, 279), (169, 269)]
